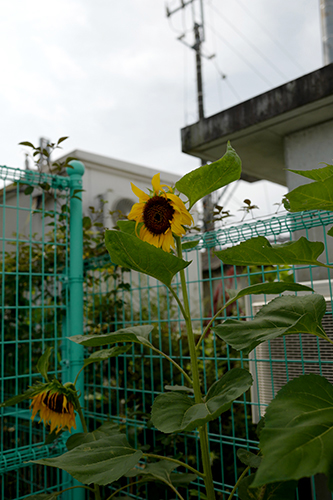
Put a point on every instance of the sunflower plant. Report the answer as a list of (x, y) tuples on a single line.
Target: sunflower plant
[(150, 242)]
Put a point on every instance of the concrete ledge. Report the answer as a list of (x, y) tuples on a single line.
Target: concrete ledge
[(257, 127)]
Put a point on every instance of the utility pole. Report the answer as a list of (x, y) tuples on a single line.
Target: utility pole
[(197, 48), (199, 37), (326, 11)]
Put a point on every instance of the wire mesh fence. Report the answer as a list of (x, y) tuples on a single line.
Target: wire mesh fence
[(35, 300), (34, 266)]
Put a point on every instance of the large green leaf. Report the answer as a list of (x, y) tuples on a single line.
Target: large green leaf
[(297, 440), (316, 174), (269, 288), (127, 226), (101, 462), (259, 252), (107, 429), (282, 316), (44, 361), (275, 491), (129, 251), (138, 334), (314, 196), (104, 354), (175, 411), (208, 178)]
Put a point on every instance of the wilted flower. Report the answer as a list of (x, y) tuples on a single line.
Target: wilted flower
[(161, 213), (55, 405)]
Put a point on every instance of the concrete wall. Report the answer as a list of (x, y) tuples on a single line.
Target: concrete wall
[(306, 150)]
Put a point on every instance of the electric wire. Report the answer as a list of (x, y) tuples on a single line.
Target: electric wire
[(285, 52), (240, 55), (258, 51), (221, 74)]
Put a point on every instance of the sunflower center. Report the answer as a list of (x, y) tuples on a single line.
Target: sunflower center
[(158, 214), (55, 402)]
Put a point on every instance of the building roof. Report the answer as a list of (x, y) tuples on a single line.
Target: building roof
[(119, 167), (256, 128)]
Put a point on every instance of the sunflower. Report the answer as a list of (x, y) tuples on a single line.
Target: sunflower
[(162, 214), (55, 406)]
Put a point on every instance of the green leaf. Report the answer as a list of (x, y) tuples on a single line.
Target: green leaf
[(190, 244), (106, 354), (101, 462), (260, 426), (181, 388), (159, 470), (32, 391), (129, 251), (330, 232), (276, 491), (108, 429), (259, 252), (314, 196), (175, 411), (248, 458), (127, 226), (162, 471), (271, 288), (297, 440), (27, 143), (45, 185), (43, 362), (86, 222), (62, 139), (284, 315), (182, 480), (208, 178), (317, 174), (138, 334), (28, 190)]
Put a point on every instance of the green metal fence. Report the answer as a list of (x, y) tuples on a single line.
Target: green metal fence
[(36, 276), (36, 311)]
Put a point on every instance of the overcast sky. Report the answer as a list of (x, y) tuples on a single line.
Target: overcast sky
[(112, 76)]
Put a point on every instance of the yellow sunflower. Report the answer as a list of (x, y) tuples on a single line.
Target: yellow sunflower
[(55, 408), (162, 214)]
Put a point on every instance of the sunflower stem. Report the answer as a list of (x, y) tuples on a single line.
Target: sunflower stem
[(245, 471), (72, 488), (203, 431)]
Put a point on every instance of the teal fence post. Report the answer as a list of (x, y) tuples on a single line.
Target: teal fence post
[(75, 352)]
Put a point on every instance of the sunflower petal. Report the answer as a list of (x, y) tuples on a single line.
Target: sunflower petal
[(139, 193), (155, 182)]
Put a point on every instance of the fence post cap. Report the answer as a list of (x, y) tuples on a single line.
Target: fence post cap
[(76, 168)]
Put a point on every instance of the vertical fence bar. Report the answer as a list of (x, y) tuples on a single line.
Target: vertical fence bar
[(75, 351)]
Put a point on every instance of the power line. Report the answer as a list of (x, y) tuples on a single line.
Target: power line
[(240, 55), (277, 43), (258, 51)]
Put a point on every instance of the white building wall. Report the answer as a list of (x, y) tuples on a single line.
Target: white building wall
[(309, 149)]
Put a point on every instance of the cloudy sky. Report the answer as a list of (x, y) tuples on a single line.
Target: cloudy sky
[(112, 76)]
